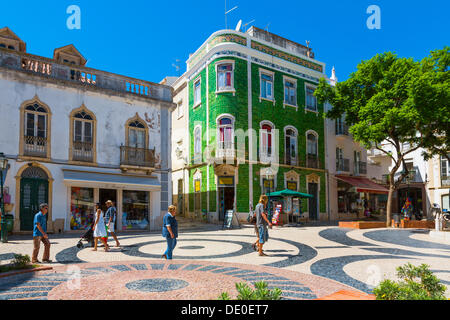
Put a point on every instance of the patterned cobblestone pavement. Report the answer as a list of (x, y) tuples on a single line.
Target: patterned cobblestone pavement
[(304, 262)]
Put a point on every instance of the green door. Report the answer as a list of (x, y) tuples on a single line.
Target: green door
[(33, 192)]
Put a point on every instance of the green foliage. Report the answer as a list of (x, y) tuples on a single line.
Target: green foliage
[(416, 283), (21, 261), (247, 293)]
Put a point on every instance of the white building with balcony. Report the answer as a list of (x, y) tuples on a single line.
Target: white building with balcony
[(349, 172), (75, 136)]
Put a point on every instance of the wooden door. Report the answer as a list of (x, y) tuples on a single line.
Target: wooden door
[(33, 192)]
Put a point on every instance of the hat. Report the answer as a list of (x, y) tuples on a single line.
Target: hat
[(98, 204), (109, 201)]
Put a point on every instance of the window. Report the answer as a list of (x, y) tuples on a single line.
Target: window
[(268, 186), (311, 101), (11, 48), (290, 92), (446, 202), (291, 147), (136, 135), (35, 135), (266, 86), (445, 172), (225, 77), (180, 109), (312, 155), (82, 137), (2, 45), (197, 93), (266, 141), (82, 208), (225, 133), (135, 210), (197, 141)]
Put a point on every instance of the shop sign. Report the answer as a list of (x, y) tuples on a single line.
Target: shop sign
[(292, 185), (226, 181), (197, 186)]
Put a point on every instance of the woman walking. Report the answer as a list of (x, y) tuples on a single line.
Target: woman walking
[(99, 228), (261, 223), (170, 231)]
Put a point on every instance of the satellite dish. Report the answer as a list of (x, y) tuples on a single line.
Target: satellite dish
[(238, 27)]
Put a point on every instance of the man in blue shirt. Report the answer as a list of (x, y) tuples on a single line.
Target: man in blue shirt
[(110, 220), (170, 231), (40, 234)]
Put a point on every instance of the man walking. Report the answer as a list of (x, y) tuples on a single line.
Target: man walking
[(170, 231), (110, 219), (262, 222), (40, 234)]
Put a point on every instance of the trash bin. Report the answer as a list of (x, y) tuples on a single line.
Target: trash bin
[(9, 222)]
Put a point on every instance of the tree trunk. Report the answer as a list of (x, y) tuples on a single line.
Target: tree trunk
[(389, 202)]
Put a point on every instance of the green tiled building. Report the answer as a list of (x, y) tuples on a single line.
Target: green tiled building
[(247, 123)]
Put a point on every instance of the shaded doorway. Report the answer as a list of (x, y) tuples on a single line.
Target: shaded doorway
[(226, 196), (105, 195), (33, 192), (313, 209)]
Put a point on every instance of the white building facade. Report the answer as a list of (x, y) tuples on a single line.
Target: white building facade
[(75, 136), (350, 172)]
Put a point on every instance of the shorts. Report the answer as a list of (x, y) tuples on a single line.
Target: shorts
[(263, 234), (111, 227)]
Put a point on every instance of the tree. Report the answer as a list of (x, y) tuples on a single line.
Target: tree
[(377, 104), (430, 92)]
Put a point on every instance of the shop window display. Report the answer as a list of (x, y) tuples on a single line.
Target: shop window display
[(81, 208), (135, 214)]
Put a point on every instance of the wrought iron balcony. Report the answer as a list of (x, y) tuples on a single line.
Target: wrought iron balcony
[(343, 165), (360, 167), (35, 146), (82, 151), (139, 157), (341, 129), (312, 161)]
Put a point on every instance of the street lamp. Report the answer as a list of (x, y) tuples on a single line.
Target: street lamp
[(3, 167)]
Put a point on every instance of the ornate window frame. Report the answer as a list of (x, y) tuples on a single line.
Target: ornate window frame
[(290, 127), (128, 127), (72, 132), (23, 112)]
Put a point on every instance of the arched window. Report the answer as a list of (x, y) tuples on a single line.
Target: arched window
[(291, 147), (225, 133), (36, 126), (312, 151), (136, 134), (267, 141), (82, 135), (197, 144)]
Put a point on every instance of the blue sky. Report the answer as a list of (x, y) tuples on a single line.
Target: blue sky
[(142, 39)]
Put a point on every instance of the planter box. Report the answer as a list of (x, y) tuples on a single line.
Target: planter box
[(414, 224), (362, 224)]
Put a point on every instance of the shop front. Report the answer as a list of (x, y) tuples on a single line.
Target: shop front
[(131, 195), (360, 197), (285, 206)]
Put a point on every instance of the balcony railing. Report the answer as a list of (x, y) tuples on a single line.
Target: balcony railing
[(343, 165), (312, 162), (445, 181), (82, 151), (225, 149), (138, 157), (35, 146), (360, 167), (341, 129), (81, 75)]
